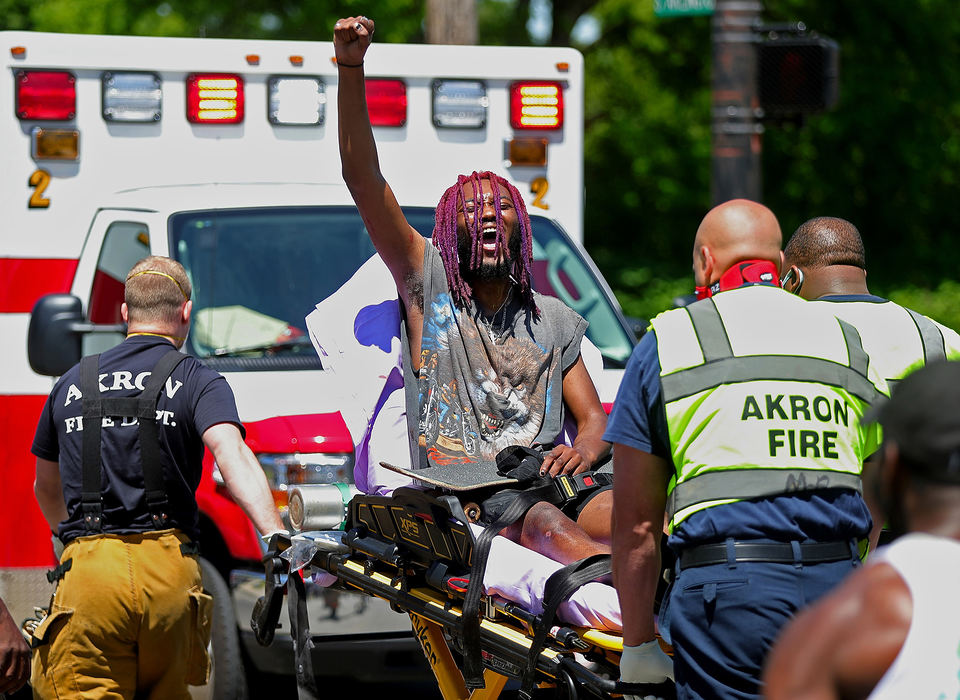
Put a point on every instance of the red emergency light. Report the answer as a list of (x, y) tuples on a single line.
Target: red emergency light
[(214, 98), (46, 95), (536, 105), (386, 102)]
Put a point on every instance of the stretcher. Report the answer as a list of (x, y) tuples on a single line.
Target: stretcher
[(416, 550)]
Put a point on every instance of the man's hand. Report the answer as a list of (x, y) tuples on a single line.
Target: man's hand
[(351, 37), (564, 459), (14, 654)]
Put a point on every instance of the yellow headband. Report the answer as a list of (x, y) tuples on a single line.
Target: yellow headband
[(162, 274)]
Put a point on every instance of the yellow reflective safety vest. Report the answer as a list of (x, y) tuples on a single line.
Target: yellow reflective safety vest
[(763, 394), (897, 339)]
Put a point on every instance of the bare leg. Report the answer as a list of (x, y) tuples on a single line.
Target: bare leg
[(546, 530), (595, 516)]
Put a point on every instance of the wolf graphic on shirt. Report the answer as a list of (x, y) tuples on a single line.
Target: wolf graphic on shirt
[(495, 395)]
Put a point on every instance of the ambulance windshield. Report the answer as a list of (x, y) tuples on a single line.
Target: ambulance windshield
[(256, 274)]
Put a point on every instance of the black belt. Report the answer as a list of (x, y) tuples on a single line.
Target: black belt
[(772, 552)]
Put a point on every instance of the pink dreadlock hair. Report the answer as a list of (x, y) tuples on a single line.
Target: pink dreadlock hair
[(446, 241)]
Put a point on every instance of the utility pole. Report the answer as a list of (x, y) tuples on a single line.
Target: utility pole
[(451, 21), (735, 119)]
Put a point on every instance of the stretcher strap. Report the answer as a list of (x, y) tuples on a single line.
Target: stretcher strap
[(561, 584), (302, 640), (472, 660)]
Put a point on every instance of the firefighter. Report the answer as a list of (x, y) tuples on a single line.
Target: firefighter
[(119, 447), (738, 419), (890, 631)]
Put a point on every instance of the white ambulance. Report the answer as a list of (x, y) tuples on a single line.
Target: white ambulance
[(223, 154)]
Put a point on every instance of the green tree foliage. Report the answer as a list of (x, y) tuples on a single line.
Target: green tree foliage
[(887, 158), (402, 20)]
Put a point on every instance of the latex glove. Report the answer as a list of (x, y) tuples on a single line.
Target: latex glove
[(645, 663)]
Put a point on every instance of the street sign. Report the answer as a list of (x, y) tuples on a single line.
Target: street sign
[(678, 8)]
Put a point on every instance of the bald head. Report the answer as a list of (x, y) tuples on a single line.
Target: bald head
[(825, 241), (732, 232)]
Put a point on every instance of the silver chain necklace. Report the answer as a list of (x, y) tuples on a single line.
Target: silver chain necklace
[(495, 328)]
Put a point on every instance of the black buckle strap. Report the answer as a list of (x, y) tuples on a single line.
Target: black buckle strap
[(770, 552), (56, 574), (189, 548), (472, 660), (558, 587)]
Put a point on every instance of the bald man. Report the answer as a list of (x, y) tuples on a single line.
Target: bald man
[(737, 422)]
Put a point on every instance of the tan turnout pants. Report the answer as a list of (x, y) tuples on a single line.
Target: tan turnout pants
[(129, 618)]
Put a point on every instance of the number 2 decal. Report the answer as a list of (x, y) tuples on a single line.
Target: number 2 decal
[(39, 181), (539, 187)]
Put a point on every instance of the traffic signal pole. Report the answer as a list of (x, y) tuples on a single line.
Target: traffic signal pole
[(735, 119)]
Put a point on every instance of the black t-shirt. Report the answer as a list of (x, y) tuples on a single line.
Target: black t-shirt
[(194, 399)]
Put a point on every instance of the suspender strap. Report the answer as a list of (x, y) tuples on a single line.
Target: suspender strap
[(559, 586), (92, 413), (144, 407), (149, 437), (472, 660)]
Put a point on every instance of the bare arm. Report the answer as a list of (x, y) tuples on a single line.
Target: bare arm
[(14, 654), (49, 493), (639, 500), (580, 396), (243, 476), (843, 645), (398, 243)]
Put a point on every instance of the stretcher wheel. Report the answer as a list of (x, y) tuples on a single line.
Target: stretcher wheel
[(472, 511)]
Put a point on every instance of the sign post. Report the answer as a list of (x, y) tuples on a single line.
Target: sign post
[(677, 8), (736, 127)]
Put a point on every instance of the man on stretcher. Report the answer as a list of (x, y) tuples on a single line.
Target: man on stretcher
[(492, 363)]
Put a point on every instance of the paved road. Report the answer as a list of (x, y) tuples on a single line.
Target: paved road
[(283, 687)]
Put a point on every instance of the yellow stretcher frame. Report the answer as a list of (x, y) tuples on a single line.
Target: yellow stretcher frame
[(372, 566)]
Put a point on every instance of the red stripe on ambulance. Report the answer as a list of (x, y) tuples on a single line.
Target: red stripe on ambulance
[(27, 542), (24, 280)]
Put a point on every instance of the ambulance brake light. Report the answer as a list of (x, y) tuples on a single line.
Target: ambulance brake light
[(131, 97), (459, 104), (214, 98), (386, 102), (536, 105), (46, 95), (296, 101)]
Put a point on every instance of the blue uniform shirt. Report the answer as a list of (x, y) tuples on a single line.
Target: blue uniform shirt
[(639, 420)]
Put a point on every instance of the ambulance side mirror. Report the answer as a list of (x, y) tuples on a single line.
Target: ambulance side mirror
[(55, 334), (53, 346)]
